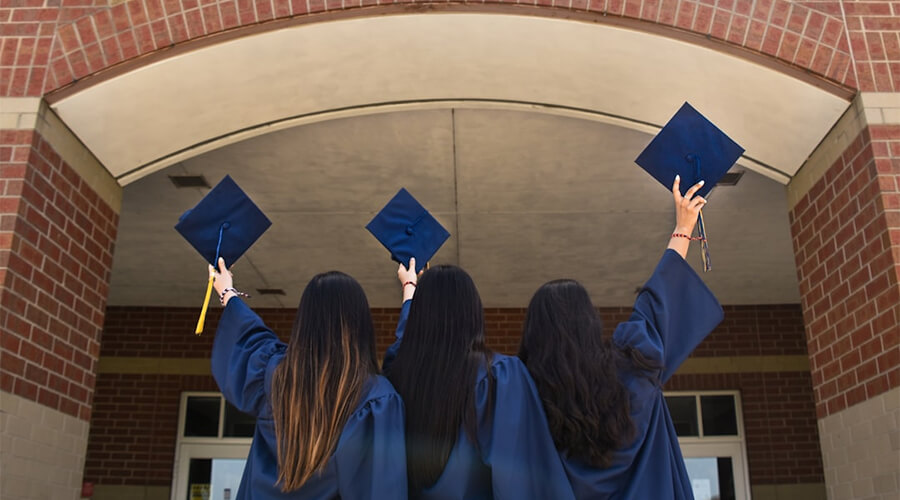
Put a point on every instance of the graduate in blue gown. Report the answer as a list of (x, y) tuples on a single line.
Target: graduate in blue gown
[(475, 428), (328, 425), (603, 399)]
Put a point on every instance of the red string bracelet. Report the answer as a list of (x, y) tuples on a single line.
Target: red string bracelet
[(409, 283), (695, 238)]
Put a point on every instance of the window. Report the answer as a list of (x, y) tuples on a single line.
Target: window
[(710, 432), (213, 441)]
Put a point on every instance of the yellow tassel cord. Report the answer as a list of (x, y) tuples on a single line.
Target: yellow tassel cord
[(202, 320)]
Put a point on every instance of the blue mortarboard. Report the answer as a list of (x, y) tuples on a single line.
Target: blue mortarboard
[(689, 145), (407, 230), (225, 224)]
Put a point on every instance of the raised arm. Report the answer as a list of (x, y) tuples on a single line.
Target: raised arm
[(244, 352), (408, 280), (675, 310)]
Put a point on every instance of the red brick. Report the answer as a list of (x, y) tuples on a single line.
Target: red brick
[(737, 31), (25, 389), (36, 374), (891, 23), (230, 14), (703, 19), (856, 395), (48, 398), (12, 364), (178, 28), (877, 386)]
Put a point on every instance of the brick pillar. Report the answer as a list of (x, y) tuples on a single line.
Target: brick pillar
[(845, 220), (58, 221)]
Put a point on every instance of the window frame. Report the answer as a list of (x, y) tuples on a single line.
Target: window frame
[(190, 447), (734, 446)]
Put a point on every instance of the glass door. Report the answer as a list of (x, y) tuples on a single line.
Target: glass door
[(209, 472), (717, 471), (213, 442), (710, 432)]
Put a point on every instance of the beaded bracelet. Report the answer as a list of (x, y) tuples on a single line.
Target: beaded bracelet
[(695, 238), (236, 292), (409, 283)]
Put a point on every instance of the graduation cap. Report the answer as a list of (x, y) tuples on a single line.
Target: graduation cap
[(225, 224), (689, 145), (407, 230)]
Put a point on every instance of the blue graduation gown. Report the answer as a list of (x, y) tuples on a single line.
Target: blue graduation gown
[(673, 313), (517, 459), (370, 459)]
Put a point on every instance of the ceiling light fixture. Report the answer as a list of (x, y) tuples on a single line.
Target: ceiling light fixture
[(189, 181), (730, 178)]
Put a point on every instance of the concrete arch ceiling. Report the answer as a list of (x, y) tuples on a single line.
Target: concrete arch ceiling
[(522, 131), (178, 107)]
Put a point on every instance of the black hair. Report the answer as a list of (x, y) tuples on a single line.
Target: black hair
[(318, 384), (576, 372), (436, 368)]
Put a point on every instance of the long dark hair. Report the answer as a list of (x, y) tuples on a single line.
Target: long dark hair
[(318, 385), (576, 373), (436, 368)]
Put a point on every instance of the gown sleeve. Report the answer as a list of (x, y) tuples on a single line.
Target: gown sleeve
[(673, 313), (391, 352), (245, 352), (519, 448), (371, 457)]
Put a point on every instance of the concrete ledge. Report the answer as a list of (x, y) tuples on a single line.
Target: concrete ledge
[(745, 364), (158, 366), (200, 366), (30, 113), (808, 491), (119, 492)]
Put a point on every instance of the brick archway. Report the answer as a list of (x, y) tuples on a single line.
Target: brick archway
[(792, 34), (847, 245), (47, 48)]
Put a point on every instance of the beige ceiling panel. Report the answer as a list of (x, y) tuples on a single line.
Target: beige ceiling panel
[(232, 90), (571, 204)]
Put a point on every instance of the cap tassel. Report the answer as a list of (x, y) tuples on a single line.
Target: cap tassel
[(701, 228), (209, 284), (704, 245), (202, 320)]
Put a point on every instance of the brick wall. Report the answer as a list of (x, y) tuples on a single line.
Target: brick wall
[(167, 332), (846, 235), (56, 243), (133, 431), (28, 35), (874, 31), (45, 46), (135, 425)]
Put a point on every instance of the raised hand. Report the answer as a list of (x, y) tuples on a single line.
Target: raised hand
[(224, 279), (687, 209), (408, 279)]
